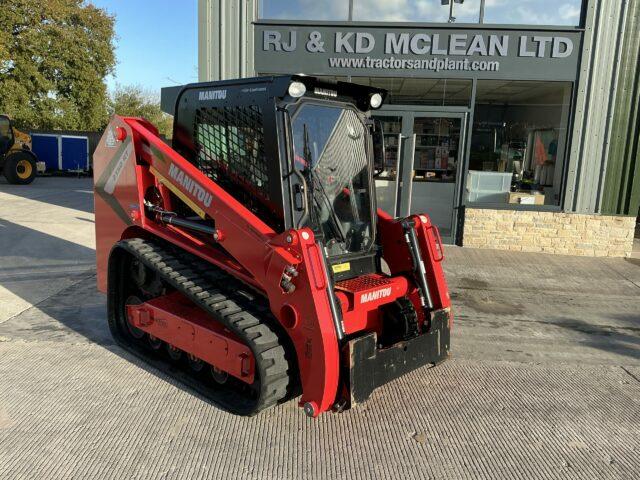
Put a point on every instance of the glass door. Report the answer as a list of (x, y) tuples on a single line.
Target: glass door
[(424, 152), (432, 159)]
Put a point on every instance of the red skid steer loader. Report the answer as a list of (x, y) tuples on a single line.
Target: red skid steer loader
[(249, 258)]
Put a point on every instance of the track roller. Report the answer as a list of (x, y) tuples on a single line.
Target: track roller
[(174, 353), (154, 343), (219, 376), (195, 363)]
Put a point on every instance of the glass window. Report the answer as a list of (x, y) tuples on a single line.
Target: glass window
[(533, 12), (520, 12), (386, 172), (330, 151), (518, 142), (304, 9), (435, 162), (436, 149), (422, 91), (428, 11)]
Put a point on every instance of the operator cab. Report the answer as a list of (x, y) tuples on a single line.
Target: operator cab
[(298, 151), (6, 135)]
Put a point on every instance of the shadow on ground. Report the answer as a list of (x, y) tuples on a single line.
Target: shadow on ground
[(67, 192), (624, 339), (31, 260)]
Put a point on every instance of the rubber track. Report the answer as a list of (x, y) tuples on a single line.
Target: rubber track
[(227, 300)]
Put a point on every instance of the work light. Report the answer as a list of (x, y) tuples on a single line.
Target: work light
[(375, 101), (297, 89)]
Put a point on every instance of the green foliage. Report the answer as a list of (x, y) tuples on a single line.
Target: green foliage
[(54, 57), (134, 101)]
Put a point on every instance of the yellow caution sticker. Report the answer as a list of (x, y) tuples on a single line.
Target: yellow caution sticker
[(178, 193), (341, 267)]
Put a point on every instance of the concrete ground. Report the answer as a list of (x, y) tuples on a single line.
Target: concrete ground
[(544, 381)]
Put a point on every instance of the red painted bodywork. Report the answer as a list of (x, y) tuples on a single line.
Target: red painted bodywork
[(257, 255), (360, 304), (177, 321)]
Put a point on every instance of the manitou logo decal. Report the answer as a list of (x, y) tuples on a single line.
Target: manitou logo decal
[(377, 295), (212, 95), (190, 185)]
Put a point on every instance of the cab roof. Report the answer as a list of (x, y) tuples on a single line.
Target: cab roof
[(277, 86)]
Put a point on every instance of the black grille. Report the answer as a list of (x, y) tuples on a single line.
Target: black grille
[(229, 145)]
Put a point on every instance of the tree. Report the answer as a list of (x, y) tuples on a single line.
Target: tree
[(54, 58), (134, 101)]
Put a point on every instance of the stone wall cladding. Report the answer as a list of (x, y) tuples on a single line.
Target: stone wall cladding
[(549, 232)]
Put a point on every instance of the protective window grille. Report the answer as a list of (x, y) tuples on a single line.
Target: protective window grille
[(230, 151)]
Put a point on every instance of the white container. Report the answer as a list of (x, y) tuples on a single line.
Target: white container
[(488, 187)]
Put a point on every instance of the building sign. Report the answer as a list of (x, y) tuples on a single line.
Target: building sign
[(417, 52)]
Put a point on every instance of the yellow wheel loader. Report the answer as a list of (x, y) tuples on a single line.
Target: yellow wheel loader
[(17, 162)]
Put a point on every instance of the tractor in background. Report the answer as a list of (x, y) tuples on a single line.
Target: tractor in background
[(18, 163)]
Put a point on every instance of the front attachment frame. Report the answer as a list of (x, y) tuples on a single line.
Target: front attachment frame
[(370, 367)]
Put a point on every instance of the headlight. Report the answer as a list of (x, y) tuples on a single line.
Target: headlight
[(375, 101), (297, 89)]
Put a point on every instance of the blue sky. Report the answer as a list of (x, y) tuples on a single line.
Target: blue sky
[(157, 42)]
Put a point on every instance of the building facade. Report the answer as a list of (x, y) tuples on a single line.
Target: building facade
[(514, 125)]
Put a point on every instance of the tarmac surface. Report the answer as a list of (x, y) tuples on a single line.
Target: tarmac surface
[(543, 382)]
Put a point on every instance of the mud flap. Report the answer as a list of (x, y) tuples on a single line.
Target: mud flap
[(369, 367)]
